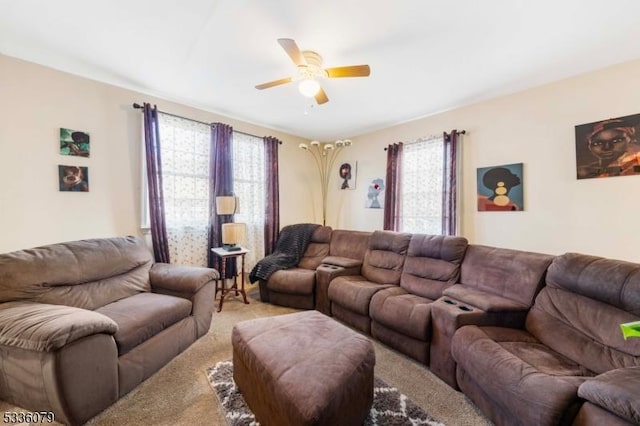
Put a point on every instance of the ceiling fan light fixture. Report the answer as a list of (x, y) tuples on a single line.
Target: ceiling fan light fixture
[(309, 87)]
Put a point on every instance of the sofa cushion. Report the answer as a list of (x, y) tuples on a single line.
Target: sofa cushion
[(586, 275), (583, 329), (76, 264), (615, 391), (293, 281), (385, 256), (350, 244), (144, 315), (44, 328), (514, 274), (354, 292), (317, 249), (403, 312), (523, 378), (432, 264)]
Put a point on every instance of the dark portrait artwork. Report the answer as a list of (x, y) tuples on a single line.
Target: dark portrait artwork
[(345, 175), (73, 142), (347, 172), (608, 148), (500, 188), (73, 178)]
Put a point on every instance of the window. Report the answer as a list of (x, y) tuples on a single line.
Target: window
[(421, 186), (249, 185), (185, 147), (185, 152)]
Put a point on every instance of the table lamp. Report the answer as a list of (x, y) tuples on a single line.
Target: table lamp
[(233, 234)]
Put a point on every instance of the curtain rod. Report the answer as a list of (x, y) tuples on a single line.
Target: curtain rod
[(460, 132), (138, 106)]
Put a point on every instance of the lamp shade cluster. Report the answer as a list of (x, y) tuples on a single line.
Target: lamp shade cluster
[(325, 155)]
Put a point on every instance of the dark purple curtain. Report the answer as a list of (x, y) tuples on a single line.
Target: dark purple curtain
[(449, 184), (221, 172), (154, 184), (392, 193), (272, 202)]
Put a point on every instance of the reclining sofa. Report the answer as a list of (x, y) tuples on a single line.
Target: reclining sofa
[(532, 339), (82, 323)]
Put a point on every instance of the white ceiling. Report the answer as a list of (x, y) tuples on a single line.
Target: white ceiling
[(426, 56)]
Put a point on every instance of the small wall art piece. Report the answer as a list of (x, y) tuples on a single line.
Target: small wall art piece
[(500, 188), (73, 142), (73, 178), (608, 148), (375, 194), (347, 172)]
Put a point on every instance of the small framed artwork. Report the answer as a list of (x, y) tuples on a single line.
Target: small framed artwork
[(375, 194), (348, 171), (500, 188), (608, 148), (73, 178), (73, 142)]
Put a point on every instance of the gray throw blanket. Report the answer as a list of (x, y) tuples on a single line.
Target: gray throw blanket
[(290, 247)]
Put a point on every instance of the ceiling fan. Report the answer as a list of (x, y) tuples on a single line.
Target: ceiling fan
[(310, 69)]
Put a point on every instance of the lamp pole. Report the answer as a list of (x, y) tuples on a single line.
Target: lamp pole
[(325, 155)]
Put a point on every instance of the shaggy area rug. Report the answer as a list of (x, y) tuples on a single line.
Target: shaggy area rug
[(390, 407)]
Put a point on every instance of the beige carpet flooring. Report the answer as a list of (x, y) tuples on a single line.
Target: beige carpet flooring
[(179, 393)]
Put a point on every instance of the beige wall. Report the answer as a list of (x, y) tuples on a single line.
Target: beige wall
[(36, 101), (536, 127)]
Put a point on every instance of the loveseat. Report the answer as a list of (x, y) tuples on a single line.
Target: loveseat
[(496, 308), (82, 323)]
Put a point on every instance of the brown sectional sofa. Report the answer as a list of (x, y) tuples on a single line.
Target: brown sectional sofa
[(569, 350), (531, 338), (82, 323)]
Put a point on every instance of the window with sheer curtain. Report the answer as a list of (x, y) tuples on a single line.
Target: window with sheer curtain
[(249, 185), (421, 186), (185, 146)]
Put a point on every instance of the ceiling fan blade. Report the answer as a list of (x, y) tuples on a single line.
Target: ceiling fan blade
[(274, 83), (350, 71), (289, 45), (321, 97)]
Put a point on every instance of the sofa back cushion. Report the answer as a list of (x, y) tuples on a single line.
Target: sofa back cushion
[(385, 256), (514, 274), (349, 244), (432, 264), (579, 312), (85, 274), (317, 249)]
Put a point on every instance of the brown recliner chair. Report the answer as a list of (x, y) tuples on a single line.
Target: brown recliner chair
[(401, 316), (295, 287), (351, 295), (570, 349)]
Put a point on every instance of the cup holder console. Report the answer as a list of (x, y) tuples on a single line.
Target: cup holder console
[(326, 265), (455, 303)]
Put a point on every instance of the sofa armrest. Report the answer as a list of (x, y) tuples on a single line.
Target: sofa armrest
[(181, 278), (189, 282), (46, 328), (486, 301), (324, 274), (616, 391), (345, 262)]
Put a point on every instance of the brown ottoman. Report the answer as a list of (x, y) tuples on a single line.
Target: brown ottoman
[(303, 369)]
